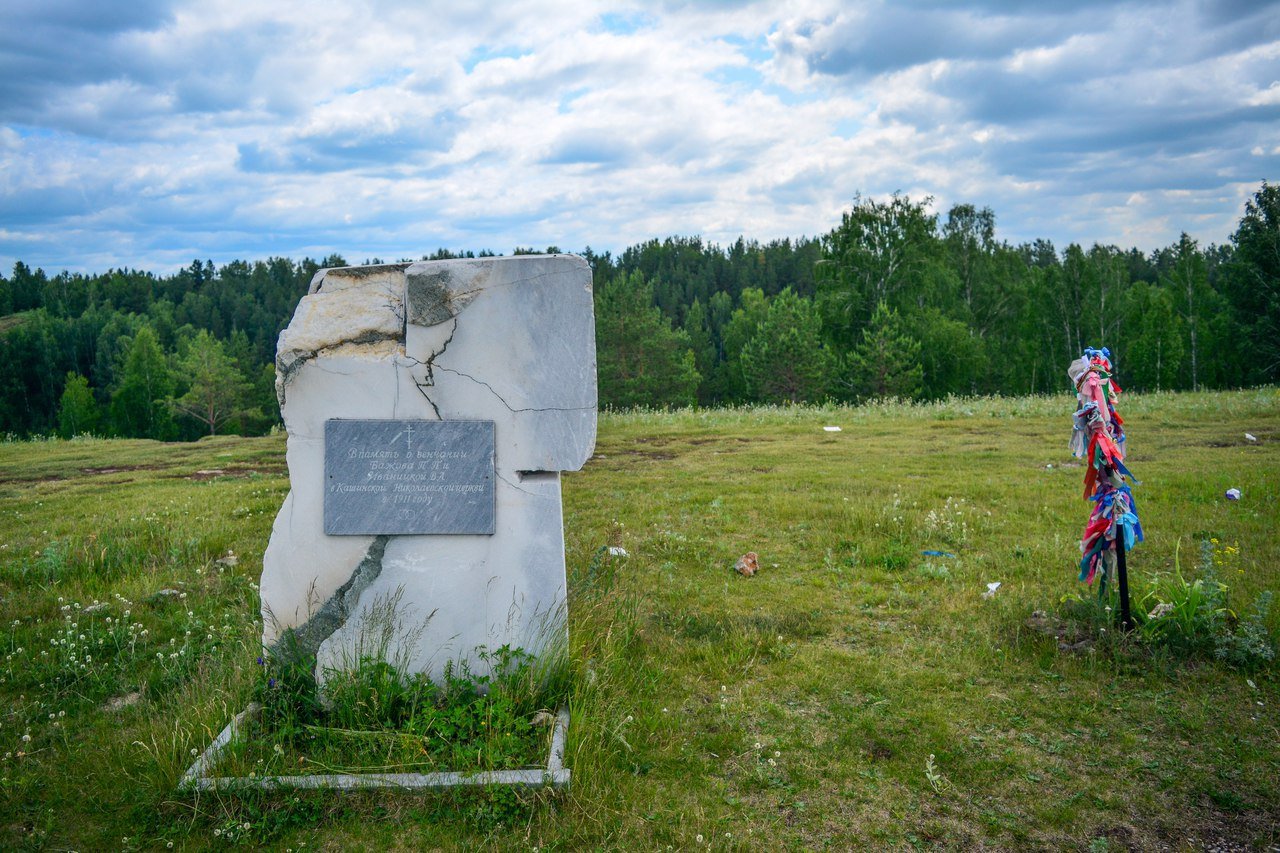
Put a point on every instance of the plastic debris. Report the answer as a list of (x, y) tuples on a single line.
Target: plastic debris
[(1233, 494), (1250, 437), (617, 551), (937, 554), (831, 429), (991, 589)]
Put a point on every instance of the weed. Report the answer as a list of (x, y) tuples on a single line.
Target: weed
[(1184, 615), (1249, 646), (1193, 617), (934, 776)]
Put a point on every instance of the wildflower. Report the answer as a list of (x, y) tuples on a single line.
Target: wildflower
[(271, 682), (26, 738), (699, 838)]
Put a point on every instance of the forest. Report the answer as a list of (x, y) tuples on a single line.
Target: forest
[(897, 300)]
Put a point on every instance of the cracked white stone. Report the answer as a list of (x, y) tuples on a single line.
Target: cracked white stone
[(510, 340)]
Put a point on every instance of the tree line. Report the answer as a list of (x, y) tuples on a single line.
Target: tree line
[(896, 300), (900, 301)]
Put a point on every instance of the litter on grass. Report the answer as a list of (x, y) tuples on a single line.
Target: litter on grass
[(831, 429), (748, 564), (1233, 494), (991, 589)]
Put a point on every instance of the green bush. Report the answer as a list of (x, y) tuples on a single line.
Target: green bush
[(1194, 617)]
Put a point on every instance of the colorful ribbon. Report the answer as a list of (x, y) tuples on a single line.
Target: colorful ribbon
[(1098, 436)]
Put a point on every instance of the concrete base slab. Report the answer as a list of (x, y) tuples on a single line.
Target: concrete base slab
[(197, 778)]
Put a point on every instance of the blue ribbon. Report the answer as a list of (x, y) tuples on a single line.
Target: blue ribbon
[(1128, 519), (1129, 524)]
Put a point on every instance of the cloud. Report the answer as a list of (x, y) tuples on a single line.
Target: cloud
[(148, 133)]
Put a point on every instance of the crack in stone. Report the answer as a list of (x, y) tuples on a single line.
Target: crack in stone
[(430, 365), (513, 485), (288, 365), (302, 643), (508, 405)]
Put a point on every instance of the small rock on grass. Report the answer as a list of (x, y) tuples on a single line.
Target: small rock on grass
[(1043, 623), (119, 703)]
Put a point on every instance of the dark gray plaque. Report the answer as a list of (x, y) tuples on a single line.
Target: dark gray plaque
[(403, 476)]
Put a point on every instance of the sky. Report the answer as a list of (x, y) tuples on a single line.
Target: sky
[(148, 133)]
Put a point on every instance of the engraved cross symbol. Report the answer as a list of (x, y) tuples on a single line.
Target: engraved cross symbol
[(408, 440)]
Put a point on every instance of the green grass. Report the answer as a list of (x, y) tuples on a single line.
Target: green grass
[(376, 717), (796, 709)]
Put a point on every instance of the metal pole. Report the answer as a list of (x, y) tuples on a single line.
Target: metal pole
[(1126, 621)]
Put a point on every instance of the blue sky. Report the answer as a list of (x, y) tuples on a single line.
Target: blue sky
[(148, 133)]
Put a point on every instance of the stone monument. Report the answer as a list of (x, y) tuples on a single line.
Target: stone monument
[(430, 408)]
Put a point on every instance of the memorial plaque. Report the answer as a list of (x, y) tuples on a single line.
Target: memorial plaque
[(408, 477)]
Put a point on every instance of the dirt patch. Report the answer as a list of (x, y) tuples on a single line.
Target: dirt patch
[(650, 454), (214, 473), (116, 469), (48, 478), (878, 751)]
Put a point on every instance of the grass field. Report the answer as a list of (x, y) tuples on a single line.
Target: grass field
[(855, 694)]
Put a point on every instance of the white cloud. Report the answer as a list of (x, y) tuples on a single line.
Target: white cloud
[(237, 128)]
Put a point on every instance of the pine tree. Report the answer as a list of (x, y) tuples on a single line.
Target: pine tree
[(640, 359), (785, 361), (886, 363), (216, 389)]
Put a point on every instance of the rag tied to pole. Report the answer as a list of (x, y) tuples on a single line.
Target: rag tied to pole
[(1098, 438)]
